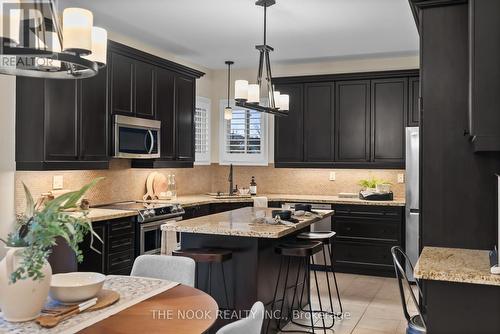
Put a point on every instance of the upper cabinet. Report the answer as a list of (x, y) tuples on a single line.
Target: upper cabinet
[(318, 128), (353, 120), (67, 124), (289, 145), (62, 125), (484, 52)]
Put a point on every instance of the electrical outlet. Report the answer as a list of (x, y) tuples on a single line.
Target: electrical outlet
[(401, 178), (332, 176), (57, 182)]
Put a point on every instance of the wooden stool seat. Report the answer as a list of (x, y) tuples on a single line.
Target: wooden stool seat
[(299, 248), (323, 236), (205, 255)]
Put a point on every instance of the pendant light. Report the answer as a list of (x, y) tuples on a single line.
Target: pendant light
[(248, 95), (74, 49), (228, 111)]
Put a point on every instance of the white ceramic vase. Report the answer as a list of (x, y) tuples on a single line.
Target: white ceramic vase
[(23, 300)]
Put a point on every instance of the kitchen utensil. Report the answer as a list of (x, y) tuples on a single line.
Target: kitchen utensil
[(50, 321), (150, 195), (159, 185), (105, 298), (303, 207), (283, 214), (75, 287)]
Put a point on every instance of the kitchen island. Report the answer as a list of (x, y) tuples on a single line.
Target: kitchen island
[(252, 272)]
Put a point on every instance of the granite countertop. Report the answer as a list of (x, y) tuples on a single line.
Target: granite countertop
[(97, 214), (455, 265), (191, 200), (239, 223)]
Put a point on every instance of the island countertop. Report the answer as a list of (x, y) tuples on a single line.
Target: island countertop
[(455, 265), (239, 222)]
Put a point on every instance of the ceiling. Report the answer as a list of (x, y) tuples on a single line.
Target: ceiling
[(208, 32)]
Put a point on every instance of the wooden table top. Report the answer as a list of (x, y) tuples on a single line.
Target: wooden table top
[(179, 310)]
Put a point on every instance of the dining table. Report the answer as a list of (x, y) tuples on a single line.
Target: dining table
[(182, 309)]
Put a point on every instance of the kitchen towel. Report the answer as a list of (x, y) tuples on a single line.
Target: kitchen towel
[(260, 202)]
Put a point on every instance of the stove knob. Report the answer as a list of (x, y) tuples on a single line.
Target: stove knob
[(151, 213)]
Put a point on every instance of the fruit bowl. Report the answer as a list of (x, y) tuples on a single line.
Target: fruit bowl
[(75, 287)]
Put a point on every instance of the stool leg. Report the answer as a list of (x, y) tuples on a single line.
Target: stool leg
[(284, 292), (225, 287), (328, 285), (335, 277), (311, 312), (296, 286), (275, 294), (319, 298)]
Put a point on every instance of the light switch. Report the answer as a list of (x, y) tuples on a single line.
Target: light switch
[(58, 182), (401, 178), (332, 176)]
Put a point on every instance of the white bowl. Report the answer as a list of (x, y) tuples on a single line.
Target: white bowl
[(73, 288), (244, 191)]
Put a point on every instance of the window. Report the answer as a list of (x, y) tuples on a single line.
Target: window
[(202, 131), (243, 139)]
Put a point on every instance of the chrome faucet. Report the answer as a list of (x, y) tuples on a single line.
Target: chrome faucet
[(230, 179)]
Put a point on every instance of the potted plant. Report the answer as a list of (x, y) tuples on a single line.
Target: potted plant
[(25, 273)]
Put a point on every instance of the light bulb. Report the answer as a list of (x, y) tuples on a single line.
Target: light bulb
[(99, 46), (241, 90), (284, 102), (228, 113), (276, 99), (253, 93)]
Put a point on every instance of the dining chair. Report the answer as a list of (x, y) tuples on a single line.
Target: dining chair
[(416, 323), (172, 268), (249, 325)]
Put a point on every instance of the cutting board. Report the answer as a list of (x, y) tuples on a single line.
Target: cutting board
[(160, 185)]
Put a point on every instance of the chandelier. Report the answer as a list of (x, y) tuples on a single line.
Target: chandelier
[(248, 95), (34, 43)]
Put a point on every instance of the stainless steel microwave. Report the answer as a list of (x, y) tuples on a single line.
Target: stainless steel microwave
[(136, 137)]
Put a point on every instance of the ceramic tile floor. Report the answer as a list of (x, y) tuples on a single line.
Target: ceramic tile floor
[(372, 305)]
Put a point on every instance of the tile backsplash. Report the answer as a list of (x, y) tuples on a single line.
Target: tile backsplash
[(124, 183)]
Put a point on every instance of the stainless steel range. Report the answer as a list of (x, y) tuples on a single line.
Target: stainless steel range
[(150, 217)]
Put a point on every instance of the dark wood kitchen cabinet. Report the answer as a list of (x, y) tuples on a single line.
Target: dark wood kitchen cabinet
[(62, 124), (413, 118), (118, 250), (184, 113), (389, 107), (165, 83), (318, 127), (365, 235), (350, 120), (289, 141)]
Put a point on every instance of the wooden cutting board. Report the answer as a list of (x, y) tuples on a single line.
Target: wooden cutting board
[(150, 195), (160, 184)]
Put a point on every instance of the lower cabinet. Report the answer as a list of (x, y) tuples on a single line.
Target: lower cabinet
[(365, 236), (222, 207), (196, 211), (118, 251)]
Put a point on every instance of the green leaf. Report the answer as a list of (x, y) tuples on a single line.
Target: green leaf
[(30, 204), (75, 197)]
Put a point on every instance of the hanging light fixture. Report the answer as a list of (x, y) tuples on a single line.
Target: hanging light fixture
[(248, 95), (34, 43), (228, 111)]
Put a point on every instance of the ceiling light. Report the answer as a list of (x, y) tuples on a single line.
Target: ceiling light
[(228, 111), (248, 95), (84, 47)]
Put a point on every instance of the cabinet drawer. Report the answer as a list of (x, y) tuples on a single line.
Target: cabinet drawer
[(120, 260), (121, 227), (369, 228), (363, 253), (121, 243), (383, 212)]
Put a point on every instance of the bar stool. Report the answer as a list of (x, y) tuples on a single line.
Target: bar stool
[(327, 239), (304, 251), (208, 256)]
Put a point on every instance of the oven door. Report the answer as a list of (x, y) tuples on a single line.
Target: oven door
[(150, 237)]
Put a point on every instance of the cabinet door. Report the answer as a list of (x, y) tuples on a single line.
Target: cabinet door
[(94, 126), (289, 131), (389, 107), (184, 113), (352, 112), (93, 261), (144, 90), (164, 97), (413, 110), (318, 122), (122, 85), (61, 121)]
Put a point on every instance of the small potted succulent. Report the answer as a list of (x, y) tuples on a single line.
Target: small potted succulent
[(375, 189), (25, 273)]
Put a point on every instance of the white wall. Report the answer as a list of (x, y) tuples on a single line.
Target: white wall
[(219, 83), (7, 154)]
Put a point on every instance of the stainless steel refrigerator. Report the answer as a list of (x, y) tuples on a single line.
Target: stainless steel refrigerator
[(412, 197)]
